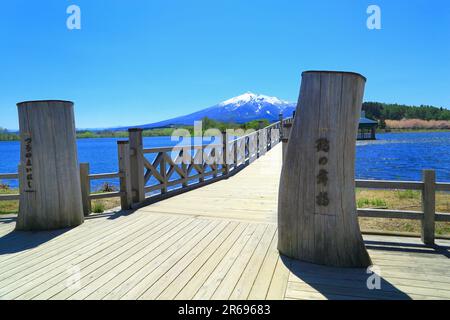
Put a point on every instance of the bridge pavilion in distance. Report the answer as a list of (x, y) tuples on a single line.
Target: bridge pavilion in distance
[(367, 128)]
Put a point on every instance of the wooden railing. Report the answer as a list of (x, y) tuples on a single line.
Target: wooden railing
[(148, 175), (428, 216), (123, 175), (158, 173), (9, 176)]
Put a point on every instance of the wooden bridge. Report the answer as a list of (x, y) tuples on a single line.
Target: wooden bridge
[(217, 241)]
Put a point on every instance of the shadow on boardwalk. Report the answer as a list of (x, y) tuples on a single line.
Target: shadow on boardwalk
[(17, 241), (313, 281), (408, 247)]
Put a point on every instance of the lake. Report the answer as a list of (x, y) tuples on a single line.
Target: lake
[(394, 156)]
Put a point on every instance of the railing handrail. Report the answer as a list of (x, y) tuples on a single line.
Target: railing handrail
[(9, 176), (402, 185), (180, 147)]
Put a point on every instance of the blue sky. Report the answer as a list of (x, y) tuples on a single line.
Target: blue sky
[(142, 61)]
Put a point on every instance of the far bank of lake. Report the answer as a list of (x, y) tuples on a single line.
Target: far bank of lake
[(394, 156)]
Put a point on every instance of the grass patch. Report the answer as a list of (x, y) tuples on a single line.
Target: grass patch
[(409, 200), (98, 207), (408, 194), (371, 203), (8, 207)]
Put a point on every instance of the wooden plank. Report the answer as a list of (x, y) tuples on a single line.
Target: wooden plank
[(393, 214), (91, 287), (279, 281), (168, 259), (102, 176), (442, 186), (242, 289), (175, 268), (262, 283), (206, 291), (442, 217), (102, 276), (382, 184), (43, 267), (171, 290), (9, 176), (132, 287), (234, 274), (57, 248), (196, 282), (361, 291), (56, 280), (9, 197), (106, 195)]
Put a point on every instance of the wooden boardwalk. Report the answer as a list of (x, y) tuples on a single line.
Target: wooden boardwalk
[(217, 242)]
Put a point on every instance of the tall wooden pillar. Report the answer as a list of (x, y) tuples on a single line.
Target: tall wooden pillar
[(317, 211), (50, 195), (137, 165)]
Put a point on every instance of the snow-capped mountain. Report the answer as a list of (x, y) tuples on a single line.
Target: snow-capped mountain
[(240, 109)]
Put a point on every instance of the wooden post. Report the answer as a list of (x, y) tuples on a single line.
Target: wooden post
[(85, 188), (51, 193), (226, 157), (184, 167), (212, 159), (429, 206), (202, 164), (136, 165), (247, 150), (317, 217), (280, 125), (126, 199), (262, 141), (236, 153), (284, 148), (258, 147), (163, 173)]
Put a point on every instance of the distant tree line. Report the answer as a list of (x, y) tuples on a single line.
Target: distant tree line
[(5, 135), (384, 111)]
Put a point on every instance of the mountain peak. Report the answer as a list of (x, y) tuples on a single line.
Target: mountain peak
[(252, 97), (244, 108)]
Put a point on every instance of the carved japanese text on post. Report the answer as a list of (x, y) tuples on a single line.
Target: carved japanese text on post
[(28, 163), (323, 146)]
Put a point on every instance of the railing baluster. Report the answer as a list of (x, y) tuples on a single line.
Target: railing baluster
[(85, 188), (225, 157), (126, 199), (236, 154), (163, 172), (184, 167), (429, 206), (136, 165)]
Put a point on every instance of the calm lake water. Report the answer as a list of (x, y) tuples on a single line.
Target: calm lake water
[(394, 156)]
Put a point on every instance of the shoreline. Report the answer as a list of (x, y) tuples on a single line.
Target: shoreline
[(412, 131), (123, 135)]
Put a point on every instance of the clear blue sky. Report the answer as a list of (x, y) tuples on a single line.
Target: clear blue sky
[(141, 61)]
